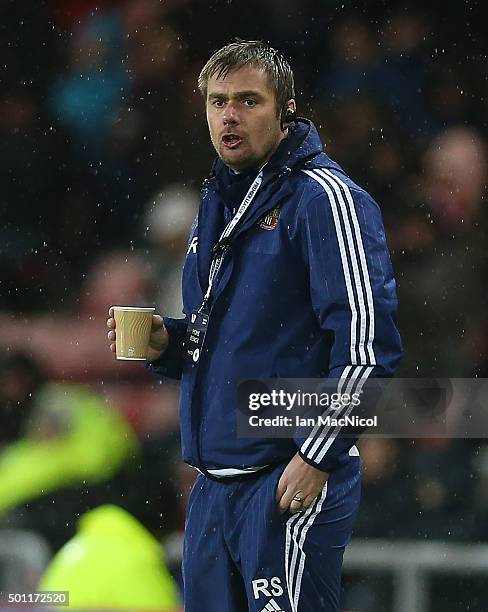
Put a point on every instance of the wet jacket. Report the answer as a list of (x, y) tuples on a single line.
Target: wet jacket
[(305, 291)]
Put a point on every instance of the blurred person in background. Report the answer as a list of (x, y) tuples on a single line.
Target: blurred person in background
[(169, 215), (382, 64), (442, 482), (67, 340), (20, 379), (444, 261), (58, 439), (29, 208), (112, 563), (65, 343), (90, 101), (87, 98)]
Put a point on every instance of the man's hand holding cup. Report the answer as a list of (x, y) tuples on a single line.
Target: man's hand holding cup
[(141, 334)]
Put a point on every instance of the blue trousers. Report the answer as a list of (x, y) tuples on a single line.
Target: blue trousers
[(242, 555)]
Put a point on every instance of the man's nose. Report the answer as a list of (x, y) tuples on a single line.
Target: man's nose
[(230, 115)]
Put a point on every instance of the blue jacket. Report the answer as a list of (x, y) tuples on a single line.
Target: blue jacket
[(312, 296)]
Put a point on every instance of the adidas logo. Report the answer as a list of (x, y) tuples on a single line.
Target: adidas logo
[(272, 606)]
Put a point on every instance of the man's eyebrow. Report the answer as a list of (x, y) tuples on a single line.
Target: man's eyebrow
[(250, 93), (247, 94)]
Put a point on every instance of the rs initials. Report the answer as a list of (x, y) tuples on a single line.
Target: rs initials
[(269, 588)]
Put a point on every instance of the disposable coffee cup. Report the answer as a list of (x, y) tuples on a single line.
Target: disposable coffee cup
[(132, 330)]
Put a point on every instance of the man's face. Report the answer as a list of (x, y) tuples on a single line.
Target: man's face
[(243, 118)]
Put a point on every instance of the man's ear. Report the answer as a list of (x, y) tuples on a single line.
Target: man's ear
[(288, 114)]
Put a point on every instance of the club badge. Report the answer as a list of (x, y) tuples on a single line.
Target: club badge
[(270, 220)]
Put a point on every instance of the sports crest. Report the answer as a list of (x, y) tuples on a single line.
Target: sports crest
[(270, 220)]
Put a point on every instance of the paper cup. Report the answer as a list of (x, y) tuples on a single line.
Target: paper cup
[(132, 330)]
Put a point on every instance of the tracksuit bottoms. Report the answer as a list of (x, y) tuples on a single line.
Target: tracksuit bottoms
[(242, 555)]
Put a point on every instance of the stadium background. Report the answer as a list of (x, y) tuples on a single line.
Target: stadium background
[(103, 147)]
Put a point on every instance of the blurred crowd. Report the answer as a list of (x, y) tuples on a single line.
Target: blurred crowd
[(103, 148)]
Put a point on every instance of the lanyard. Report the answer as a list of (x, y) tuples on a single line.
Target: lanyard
[(224, 241)]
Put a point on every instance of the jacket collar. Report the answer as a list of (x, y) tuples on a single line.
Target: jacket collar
[(302, 148), (302, 144)]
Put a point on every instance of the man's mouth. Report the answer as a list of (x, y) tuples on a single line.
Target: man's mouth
[(231, 141)]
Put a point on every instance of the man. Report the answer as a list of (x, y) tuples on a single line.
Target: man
[(287, 275)]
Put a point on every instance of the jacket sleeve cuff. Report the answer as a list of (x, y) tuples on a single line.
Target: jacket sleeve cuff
[(170, 364), (330, 463)]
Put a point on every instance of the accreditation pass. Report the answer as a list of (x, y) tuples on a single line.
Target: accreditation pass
[(195, 335)]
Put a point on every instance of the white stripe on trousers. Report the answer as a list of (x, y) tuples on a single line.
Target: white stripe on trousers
[(293, 525)]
